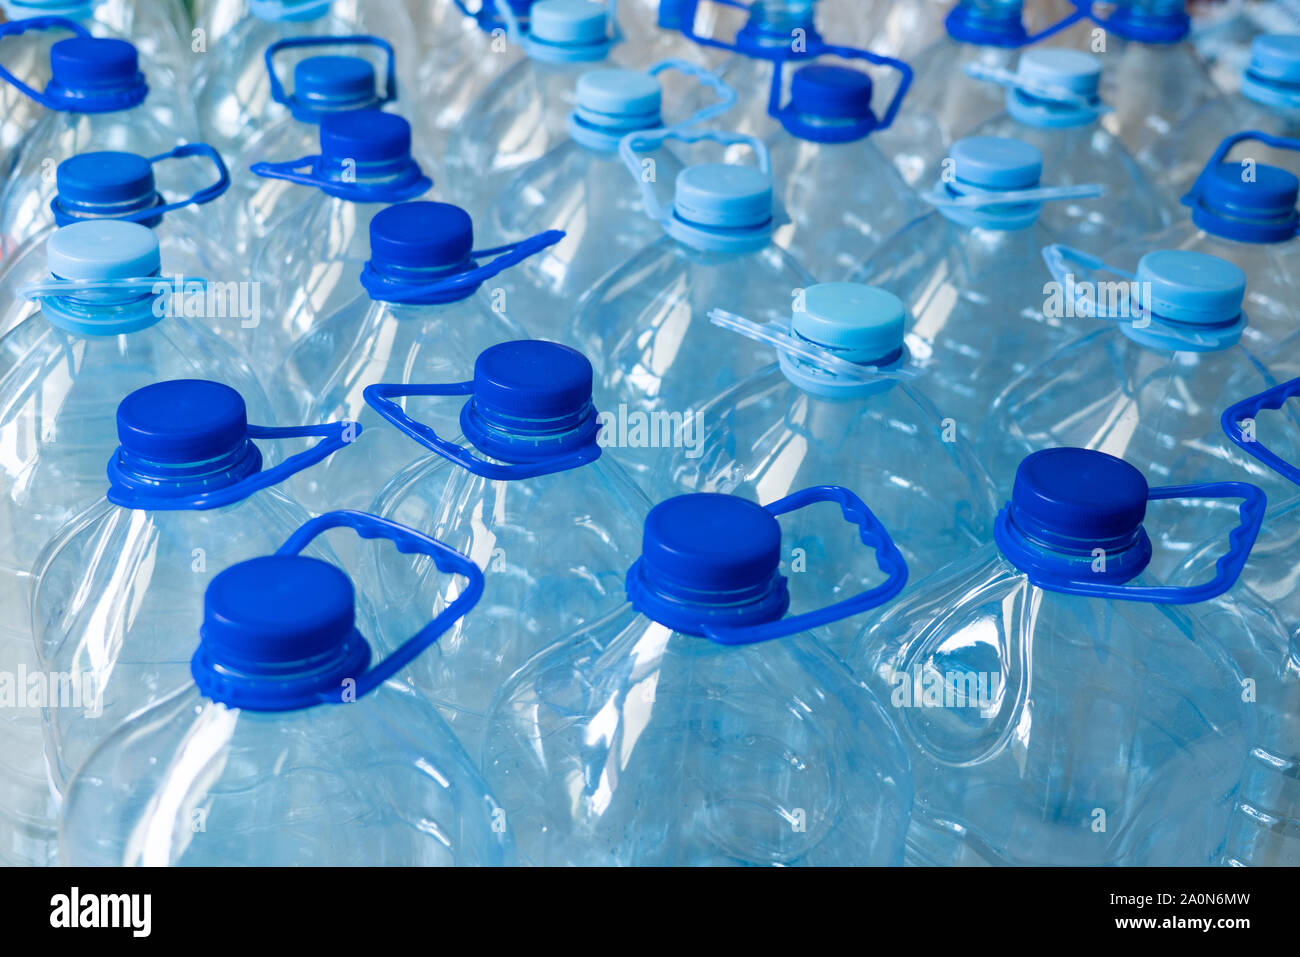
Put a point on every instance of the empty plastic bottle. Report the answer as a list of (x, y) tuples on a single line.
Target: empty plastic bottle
[(1266, 828), (290, 736), (582, 187), (1147, 386), (157, 29), (309, 264), (689, 725), (187, 496), (100, 328), (322, 84), (842, 405), (1153, 77), (96, 99), (645, 325), (945, 103), (523, 489), (971, 276), (524, 113), (232, 86), (1059, 706), (109, 185), (1053, 104), (422, 314), (843, 196), (1268, 101)]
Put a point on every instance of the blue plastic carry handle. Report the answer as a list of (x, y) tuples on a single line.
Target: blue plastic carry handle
[(1272, 399), (408, 541), (359, 39), (129, 492), (379, 397), (873, 534), (1227, 569)]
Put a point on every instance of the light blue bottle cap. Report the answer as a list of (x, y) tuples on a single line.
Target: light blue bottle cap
[(619, 99), (1272, 78), (996, 163), (1191, 287), (724, 196), (568, 22), (859, 323), (103, 249), (1078, 72)]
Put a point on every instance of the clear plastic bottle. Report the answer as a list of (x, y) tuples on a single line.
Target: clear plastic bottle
[(100, 329), (291, 736), (645, 325), (527, 494), (1060, 706), (694, 724), (803, 422)]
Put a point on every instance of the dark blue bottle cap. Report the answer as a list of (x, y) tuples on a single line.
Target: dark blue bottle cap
[(834, 92), (182, 421), (531, 380), (96, 74), (105, 183), (420, 235), (1076, 500), (329, 83), (717, 549), (1258, 209), (278, 634), (366, 136)]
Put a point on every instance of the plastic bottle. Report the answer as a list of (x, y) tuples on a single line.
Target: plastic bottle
[(291, 734), (582, 187), (686, 727), (843, 405), (842, 194), (100, 329), (423, 314), (645, 325), (1159, 358), (187, 496), (970, 276), (1060, 706), (1053, 104), (524, 490), (309, 265), (232, 86), (96, 99), (524, 113)]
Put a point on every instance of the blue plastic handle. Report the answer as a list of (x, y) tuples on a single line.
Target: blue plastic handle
[(126, 492), (1227, 569), (873, 534), (410, 184), (855, 132), (379, 396), (650, 139), (408, 541), (457, 285), (706, 77), (359, 39), (1272, 399), (15, 28), (205, 195)]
